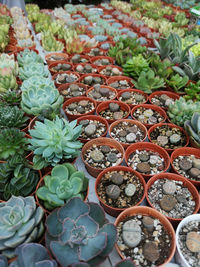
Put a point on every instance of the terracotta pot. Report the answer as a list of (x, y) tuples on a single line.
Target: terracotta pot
[(20, 49), (152, 213), (137, 123), (87, 52), (105, 105), (94, 59), (149, 147), (96, 118), (25, 129), (155, 126), (132, 91), (32, 124), (103, 86), (82, 56), (100, 69), (65, 86), (68, 72), (100, 142), (93, 75), (153, 107), (54, 64), (62, 55), (159, 93), (10, 49), (186, 183), (194, 143), (94, 67), (120, 78), (77, 99), (109, 209), (185, 151)]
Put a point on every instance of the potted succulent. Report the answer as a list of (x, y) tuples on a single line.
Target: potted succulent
[(132, 97), (102, 60), (118, 188), (33, 69), (60, 66), (65, 77), (85, 68), (192, 127), (101, 93), (75, 59), (120, 82), (92, 79), (53, 57), (110, 70), (70, 90), (163, 98)]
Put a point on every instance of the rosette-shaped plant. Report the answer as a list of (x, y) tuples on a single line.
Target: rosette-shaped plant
[(21, 222), (192, 127), (33, 69), (27, 56), (64, 183), (7, 80), (10, 97), (49, 42), (54, 141), (3, 261), (36, 82), (8, 61), (36, 101), (79, 232)]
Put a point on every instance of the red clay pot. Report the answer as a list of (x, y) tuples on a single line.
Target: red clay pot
[(133, 91), (93, 75), (119, 78), (88, 58), (54, 64), (94, 59), (65, 86), (94, 67), (103, 86), (102, 68), (159, 93), (68, 72), (64, 57)]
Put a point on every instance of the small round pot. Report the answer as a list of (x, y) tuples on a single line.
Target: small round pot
[(185, 151), (94, 68), (105, 105), (77, 99), (104, 86), (20, 49), (67, 72), (186, 183), (54, 64), (63, 87), (120, 78), (111, 43), (63, 56), (93, 117), (94, 59), (159, 93), (93, 75), (109, 209), (82, 56), (102, 68), (152, 213), (137, 123), (100, 142), (152, 128), (149, 147), (32, 123), (132, 91), (153, 107)]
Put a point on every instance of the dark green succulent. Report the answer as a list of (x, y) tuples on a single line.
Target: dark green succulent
[(193, 91), (11, 97)]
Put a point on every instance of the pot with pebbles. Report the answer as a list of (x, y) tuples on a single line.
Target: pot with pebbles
[(120, 82), (53, 57), (76, 59), (187, 241), (101, 153), (79, 106), (148, 114), (163, 98), (148, 159), (127, 132), (173, 196), (92, 127), (146, 236), (101, 93), (93, 52), (118, 188), (84, 68), (65, 77), (110, 70), (132, 97), (70, 90), (92, 79), (102, 61), (60, 66), (168, 135), (113, 110), (186, 162)]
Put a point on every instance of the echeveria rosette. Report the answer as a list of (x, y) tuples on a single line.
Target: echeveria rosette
[(28, 57), (79, 232), (54, 142), (36, 82), (33, 69), (21, 222), (192, 127)]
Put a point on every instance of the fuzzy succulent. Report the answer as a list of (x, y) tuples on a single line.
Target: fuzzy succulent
[(78, 232), (17, 178), (12, 142), (21, 223), (54, 141), (182, 110), (36, 82), (28, 57), (33, 69), (32, 255), (192, 127)]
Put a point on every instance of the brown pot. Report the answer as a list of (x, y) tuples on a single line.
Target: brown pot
[(10, 49), (32, 124), (20, 49), (153, 107), (77, 99), (159, 93), (105, 105), (149, 147), (94, 59), (186, 183), (25, 129), (93, 75), (185, 151), (65, 86), (155, 126), (103, 86), (137, 123), (154, 213), (132, 91), (68, 72), (100, 142), (100, 69), (120, 78), (54, 64), (109, 209), (94, 67), (82, 56), (64, 57)]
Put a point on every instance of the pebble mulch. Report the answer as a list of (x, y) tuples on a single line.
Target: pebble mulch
[(132, 98), (113, 112), (147, 116), (92, 129), (162, 101), (73, 90), (78, 59), (81, 107), (91, 81), (66, 78), (62, 67), (111, 71), (102, 62), (100, 93), (85, 69), (120, 85)]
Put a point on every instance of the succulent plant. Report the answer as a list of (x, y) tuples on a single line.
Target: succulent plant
[(126, 263), (21, 223), (17, 178), (78, 232), (75, 46), (182, 110), (27, 56), (4, 40), (54, 141), (135, 65), (177, 82), (7, 82), (3, 261), (192, 127), (36, 82), (12, 142), (32, 255), (8, 62), (44, 101), (10, 97), (33, 69), (49, 42), (193, 91), (64, 183)]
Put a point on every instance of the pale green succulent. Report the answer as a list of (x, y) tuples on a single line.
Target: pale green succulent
[(35, 82), (28, 57), (192, 127), (8, 61), (34, 69)]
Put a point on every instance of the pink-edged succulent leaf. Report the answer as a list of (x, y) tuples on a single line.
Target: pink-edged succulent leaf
[(97, 213), (90, 225), (111, 233)]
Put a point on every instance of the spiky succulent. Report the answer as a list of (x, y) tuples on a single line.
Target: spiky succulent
[(54, 141), (78, 232), (10, 97), (27, 57), (192, 127), (36, 82), (21, 223), (7, 82), (34, 69), (64, 183)]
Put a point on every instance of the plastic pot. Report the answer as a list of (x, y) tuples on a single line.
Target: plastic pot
[(102, 68), (120, 78), (186, 183), (68, 72), (103, 141), (32, 123), (54, 64), (63, 56), (152, 213), (132, 91), (82, 56), (109, 209), (103, 86), (148, 147), (94, 68), (94, 59), (159, 93), (66, 86), (93, 75)]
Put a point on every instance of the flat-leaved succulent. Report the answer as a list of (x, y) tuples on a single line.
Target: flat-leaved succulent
[(33, 69)]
